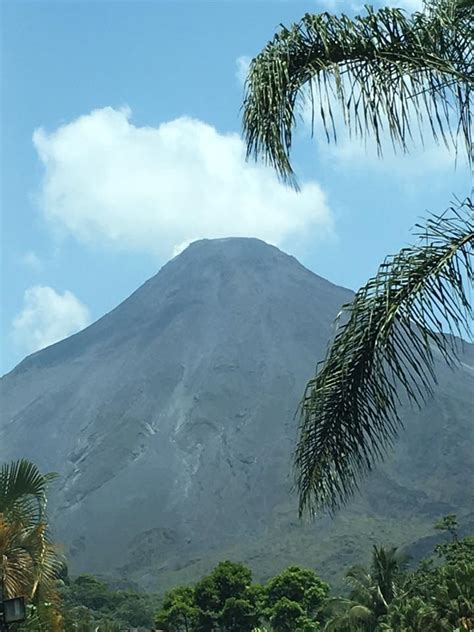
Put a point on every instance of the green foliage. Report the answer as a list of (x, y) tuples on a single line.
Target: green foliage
[(294, 598), (386, 72), (438, 596), (89, 602), (386, 345), (386, 572), (457, 551), (228, 579), (450, 524), (23, 492), (285, 615), (445, 590), (290, 616), (224, 600), (42, 617), (227, 601), (29, 563), (90, 592), (440, 601), (372, 592), (411, 614), (239, 615), (178, 612), (298, 585)]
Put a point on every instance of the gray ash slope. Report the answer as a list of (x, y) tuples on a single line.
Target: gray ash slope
[(171, 421)]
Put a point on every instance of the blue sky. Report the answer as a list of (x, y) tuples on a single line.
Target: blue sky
[(120, 144)]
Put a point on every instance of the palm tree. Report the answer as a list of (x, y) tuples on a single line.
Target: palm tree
[(28, 561), (372, 592), (388, 74), (23, 492)]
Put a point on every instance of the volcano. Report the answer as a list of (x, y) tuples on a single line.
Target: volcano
[(171, 422)]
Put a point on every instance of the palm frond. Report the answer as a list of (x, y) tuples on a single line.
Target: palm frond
[(385, 344), (361, 585), (360, 613), (387, 72), (346, 614), (29, 564), (23, 491)]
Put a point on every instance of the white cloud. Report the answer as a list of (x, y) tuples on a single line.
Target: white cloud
[(47, 317), (31, 260), (243, 64), (153, 189)]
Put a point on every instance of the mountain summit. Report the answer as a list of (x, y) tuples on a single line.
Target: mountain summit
[(172, 423)]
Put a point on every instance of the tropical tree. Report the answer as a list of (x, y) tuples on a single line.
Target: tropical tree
[(23, 492), (389, 74), (445, 604), (29, 562), (439, 594), (88, 603), (300, 586), (226, 600), (178, 611), (372, 592), (412, 615), (289, 616), (239, 615)]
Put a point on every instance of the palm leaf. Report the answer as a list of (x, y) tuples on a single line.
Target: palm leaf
[(346, 614), (361, 585), (386, 569), (23, 491), (388, 73), (360, 613), (385, 344), (29, 563)]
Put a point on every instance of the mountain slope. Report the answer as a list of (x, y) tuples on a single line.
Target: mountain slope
[(171, 421)]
